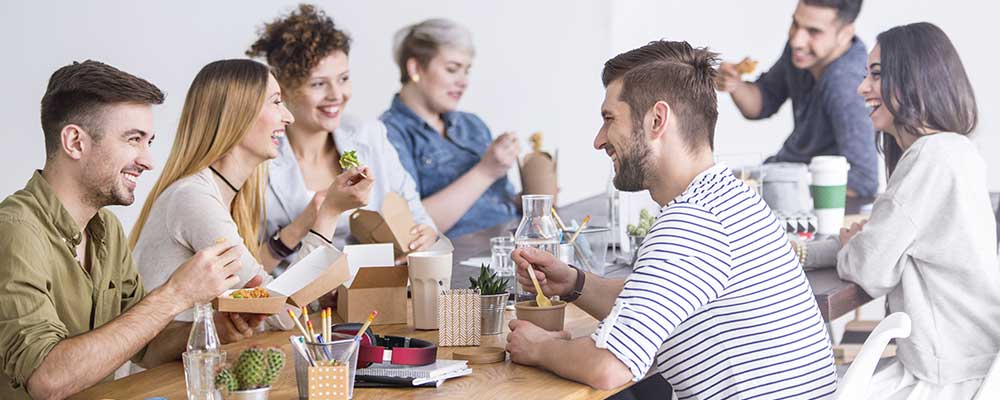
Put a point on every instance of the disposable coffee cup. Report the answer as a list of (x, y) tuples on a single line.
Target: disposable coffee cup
[(829, 192), (430, 274)]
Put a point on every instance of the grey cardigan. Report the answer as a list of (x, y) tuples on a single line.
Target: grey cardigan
[(930, 247), (287, 195)]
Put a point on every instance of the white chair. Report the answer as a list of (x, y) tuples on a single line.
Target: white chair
[(991, 385), (854, 384)]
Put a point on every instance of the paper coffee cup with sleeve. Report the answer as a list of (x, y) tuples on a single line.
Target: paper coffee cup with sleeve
[(829, 192)]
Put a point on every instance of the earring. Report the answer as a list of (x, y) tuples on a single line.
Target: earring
[(415, 78)]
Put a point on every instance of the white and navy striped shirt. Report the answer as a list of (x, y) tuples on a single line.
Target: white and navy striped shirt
[(718, 303)]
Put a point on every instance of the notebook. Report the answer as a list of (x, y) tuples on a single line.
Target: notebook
[(439, 368)]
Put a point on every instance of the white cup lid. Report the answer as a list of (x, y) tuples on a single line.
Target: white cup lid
[(828, 163)]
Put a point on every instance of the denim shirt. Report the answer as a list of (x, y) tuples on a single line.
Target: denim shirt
[(435, 162)]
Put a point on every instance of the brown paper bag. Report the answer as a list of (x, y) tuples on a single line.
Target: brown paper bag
[(458, 318)]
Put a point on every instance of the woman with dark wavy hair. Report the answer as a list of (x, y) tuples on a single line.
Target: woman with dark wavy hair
[(930, 245)]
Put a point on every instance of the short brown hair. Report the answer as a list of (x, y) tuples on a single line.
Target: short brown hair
[(674, 72), (79, 92), (294, 44)]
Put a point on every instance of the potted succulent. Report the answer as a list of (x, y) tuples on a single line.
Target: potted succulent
[(252, 376), (637, 233), (493, 295)]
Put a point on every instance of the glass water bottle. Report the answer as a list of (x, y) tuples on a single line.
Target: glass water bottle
[(537, 229), (203, 357)]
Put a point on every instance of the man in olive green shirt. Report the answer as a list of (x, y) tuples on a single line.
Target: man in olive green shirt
[(74, 309)]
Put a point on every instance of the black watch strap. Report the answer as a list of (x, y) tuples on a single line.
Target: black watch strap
[(278, 248), (577, 291)]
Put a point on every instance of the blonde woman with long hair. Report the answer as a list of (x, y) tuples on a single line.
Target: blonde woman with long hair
[(212, 186)]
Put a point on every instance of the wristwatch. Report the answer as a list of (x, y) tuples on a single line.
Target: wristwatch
[(578, 286), (278, 248)]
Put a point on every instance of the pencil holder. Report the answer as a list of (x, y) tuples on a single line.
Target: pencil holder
[(321, 367), (329, 383)]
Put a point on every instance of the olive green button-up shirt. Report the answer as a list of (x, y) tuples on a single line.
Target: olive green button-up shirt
[(45, 294)]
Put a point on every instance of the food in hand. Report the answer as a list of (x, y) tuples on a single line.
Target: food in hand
[(646, 221), (250, 293), (349, 160), (746, 66)]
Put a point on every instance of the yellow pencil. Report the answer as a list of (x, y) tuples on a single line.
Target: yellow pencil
[(312, 333), (298, 324), (580, 229)]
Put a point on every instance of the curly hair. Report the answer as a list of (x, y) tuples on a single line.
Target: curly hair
[(293, 44)]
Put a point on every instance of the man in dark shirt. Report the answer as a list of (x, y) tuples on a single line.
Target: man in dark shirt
[(820, 69)]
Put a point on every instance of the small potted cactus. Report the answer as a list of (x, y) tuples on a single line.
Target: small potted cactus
[(252, 376), (493, 295)]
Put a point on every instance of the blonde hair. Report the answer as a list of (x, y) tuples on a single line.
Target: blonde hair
[(221, 106)]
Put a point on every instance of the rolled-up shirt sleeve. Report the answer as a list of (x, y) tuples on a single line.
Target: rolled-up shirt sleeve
[(682, 265), (773, 86), (29, 324)]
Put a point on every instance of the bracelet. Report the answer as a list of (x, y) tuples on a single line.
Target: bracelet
[(328, 241), (802, 251), (278, 248), (577, 291)]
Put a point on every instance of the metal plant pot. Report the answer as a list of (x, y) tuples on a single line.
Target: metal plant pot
[(252, 394), (491, 313)]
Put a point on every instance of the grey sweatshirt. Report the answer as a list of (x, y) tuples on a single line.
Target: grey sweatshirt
[(931, 247)]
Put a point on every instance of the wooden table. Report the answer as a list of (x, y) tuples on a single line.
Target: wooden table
[(488, 381), (834, 296)]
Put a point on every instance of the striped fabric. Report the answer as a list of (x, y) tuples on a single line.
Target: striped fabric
[(718, 303)]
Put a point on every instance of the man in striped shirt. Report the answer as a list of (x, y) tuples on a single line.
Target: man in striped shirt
[(716, 302)]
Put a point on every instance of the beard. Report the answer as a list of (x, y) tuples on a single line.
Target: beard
[(634, 165), (106, 189)]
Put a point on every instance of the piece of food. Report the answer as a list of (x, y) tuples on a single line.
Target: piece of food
[(536, 141), (746, 66), (349, 160), (250, 293)]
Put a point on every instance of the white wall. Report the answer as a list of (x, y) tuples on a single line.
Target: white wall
[(537, 67), (538, 64)]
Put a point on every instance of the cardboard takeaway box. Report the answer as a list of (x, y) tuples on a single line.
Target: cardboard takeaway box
[(538, 173), (391, 225), (377, 284), (313, 276)]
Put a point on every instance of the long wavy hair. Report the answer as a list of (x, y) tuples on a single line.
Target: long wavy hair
[(924, 86), (221, 106)]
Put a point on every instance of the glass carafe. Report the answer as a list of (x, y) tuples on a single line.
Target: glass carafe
[(537, 228)]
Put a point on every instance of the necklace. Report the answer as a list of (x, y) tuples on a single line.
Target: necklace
[(231, 186)]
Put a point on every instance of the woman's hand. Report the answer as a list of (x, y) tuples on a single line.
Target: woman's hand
[(501, 155), (847, 233)]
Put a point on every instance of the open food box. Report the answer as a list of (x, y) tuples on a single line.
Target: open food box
[(313, 276)]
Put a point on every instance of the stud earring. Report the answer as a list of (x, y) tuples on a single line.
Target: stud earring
[(416, 78)]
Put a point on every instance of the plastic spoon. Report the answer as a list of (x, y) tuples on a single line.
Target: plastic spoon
[(540, 298)]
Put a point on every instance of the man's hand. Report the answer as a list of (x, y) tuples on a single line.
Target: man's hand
[(205, 276), (728, 78), (554, 276), (501, 155), (233, 327), (847, 233), (526, 341)]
